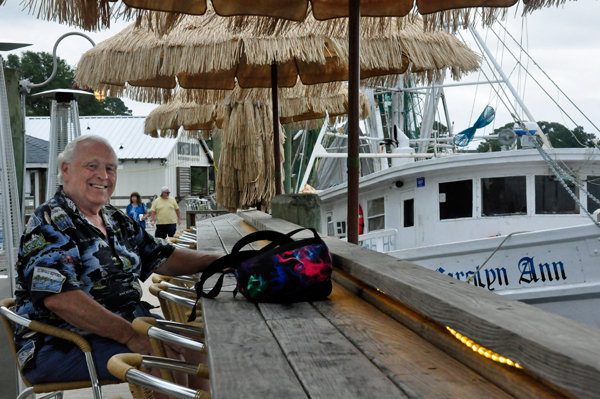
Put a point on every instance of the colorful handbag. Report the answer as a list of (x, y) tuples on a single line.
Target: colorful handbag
[(283, 271)]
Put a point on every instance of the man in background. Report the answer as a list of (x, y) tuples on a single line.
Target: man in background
[(165, 213)]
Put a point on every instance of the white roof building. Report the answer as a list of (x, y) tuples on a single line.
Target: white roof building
[(145, 163)]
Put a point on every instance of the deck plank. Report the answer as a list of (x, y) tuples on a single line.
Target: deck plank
[(418, 367), (244, 358), (328, 365)]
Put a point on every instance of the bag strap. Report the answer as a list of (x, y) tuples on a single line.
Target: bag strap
[(218, 266), (289, 238), (264, 235)]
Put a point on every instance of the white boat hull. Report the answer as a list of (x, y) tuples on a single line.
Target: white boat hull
[(557, 270)]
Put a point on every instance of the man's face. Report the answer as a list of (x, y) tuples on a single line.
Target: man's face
[(91, 178), (165, 194)]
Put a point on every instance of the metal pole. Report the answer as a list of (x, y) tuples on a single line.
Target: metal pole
[(287, 166), (353, 112), (276, 141)]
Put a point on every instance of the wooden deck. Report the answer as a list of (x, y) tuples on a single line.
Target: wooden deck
[(362, 343)]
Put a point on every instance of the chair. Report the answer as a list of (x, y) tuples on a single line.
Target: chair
[(176, 302), (161, 331), (126, 367), (181, 281), (54, 389)]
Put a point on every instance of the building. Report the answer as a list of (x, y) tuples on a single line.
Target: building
[(145, 163)]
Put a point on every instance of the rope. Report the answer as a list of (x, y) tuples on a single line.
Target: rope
[(545, 74), (490, 257), (556, 169)]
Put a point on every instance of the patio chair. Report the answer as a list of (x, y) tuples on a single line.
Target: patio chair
[(181, 281), (161, 331), (176, 303), (53, 389), (127, 367)]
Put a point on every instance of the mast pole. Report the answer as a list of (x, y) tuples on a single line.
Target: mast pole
[(508, 84)]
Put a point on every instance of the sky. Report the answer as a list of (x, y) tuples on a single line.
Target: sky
[(564, 41)]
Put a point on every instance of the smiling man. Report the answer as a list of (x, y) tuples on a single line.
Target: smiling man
[(79, 266)]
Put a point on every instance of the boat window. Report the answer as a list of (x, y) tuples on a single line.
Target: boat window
[(340, 229), (456, 199), (330, 226), (593, 187), (376, 214), (409, 212), (551, 197), (504, 196)]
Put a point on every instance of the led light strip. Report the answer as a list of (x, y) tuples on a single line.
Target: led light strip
[(483, 351)]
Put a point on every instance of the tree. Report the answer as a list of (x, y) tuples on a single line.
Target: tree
[(559, 135), (37, 67)]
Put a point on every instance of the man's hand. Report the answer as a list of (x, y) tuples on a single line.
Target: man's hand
[(140, 344), (186, 261)]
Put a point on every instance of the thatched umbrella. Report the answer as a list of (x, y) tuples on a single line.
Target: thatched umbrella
[(197, 112), (246, 166), (96, 14), (204, 52)]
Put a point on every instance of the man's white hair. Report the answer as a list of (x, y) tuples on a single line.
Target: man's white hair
[(68, 155)]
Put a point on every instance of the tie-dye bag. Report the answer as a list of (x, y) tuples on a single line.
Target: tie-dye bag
[(283, 271)]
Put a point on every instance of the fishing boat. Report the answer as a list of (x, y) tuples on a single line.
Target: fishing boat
[(522, 222)]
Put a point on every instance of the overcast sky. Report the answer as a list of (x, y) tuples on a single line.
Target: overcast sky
[(564, 41)]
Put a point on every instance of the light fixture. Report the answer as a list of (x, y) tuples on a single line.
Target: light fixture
[(483, 351)]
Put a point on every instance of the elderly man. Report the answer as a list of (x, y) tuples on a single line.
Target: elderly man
[(78, 268)]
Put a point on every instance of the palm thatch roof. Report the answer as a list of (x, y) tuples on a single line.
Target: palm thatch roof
[(206, 52), (97, 14), (198, 111)]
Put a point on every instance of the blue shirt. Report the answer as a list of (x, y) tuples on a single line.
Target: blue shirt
[(62, 251), (134, 212)]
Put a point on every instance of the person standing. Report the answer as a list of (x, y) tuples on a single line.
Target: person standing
[(165, 213), (137, 209)]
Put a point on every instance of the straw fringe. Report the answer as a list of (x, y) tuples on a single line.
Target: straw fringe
[(91, 15), (193, 108), (204, 44), (96, 14)]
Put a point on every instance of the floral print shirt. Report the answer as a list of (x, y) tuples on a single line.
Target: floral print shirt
[(61, 250)]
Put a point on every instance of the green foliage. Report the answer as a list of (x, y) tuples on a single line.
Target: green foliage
[(559, 135), (37, 67)]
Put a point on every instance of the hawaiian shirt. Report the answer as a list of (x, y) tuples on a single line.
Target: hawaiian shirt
[(61, 250)]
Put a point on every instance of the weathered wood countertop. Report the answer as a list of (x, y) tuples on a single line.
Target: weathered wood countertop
[(359, 343)]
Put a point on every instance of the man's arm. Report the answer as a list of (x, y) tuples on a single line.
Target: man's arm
[(186, 261), (81, 311), (153, 216), (178, 216)]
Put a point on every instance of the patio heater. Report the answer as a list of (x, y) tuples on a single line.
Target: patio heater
[(64, 127), (11, 225)]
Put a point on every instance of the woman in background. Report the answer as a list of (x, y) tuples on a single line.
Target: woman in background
[(137, 209)]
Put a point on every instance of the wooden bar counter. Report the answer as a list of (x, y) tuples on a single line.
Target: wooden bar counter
[(382, 334)]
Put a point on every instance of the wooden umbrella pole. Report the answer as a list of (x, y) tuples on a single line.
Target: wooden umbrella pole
[(276, 143), (353, 114)]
